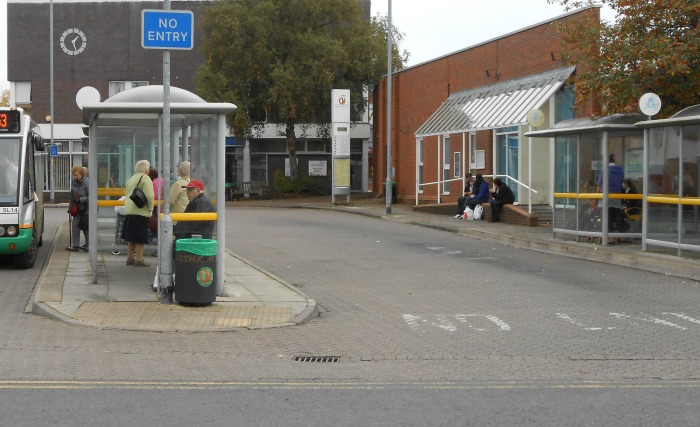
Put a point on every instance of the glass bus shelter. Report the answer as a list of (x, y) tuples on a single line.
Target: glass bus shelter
[(671, 202), (127, 128), (583, 206)]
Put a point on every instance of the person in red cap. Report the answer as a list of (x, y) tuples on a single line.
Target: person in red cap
[(199, 202)]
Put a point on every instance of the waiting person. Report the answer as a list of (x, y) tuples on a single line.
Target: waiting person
[(502, 195), (615, 175), (178, 194), (463, 200), (136, 232), (78, 208), (157, 183), (631, 208), (481, 192), (199, 202)]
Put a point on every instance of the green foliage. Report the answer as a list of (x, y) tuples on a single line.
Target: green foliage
[(278, 60), (653, 46), (5, 98), (300, 185)]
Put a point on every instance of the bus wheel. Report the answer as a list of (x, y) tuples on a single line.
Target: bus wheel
[(27, 259)]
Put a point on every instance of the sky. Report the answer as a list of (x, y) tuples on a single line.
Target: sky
[(432, 28)]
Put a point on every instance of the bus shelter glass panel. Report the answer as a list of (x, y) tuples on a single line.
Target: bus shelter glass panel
[(628, 149), (566, 172), (118, 151), (687, 184), (203, 154), (662, 215)]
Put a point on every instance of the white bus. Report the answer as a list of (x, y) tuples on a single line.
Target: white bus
[(21, 202)]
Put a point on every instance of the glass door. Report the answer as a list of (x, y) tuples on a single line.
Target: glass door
[(507, 147)]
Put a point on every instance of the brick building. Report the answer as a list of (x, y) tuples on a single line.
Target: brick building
[(467, 112), (97, 43)]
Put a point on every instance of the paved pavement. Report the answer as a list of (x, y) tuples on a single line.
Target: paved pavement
[(123, 298)]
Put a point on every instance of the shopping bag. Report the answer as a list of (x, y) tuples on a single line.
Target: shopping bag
[(468, 213), (478, 211)]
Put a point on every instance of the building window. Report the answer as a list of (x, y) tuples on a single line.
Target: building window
[(564, 103), (117, 86), (446, 165), (420, 165), (21, 92)]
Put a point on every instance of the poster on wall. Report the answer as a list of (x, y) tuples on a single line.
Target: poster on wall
[(634, 166), (318, 168), (341, 172)]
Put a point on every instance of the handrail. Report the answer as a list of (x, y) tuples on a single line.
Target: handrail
[(633, 196), (663, 199), (527, 187), (686, 201)]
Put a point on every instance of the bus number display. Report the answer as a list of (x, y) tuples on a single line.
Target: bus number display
[(9, 121)]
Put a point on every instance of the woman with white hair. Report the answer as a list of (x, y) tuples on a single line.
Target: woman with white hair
[(136, 231), (178, 194)]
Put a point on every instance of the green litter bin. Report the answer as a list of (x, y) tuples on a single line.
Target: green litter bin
[(195, 268)]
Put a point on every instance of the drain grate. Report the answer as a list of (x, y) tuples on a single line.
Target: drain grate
[(319, 359)]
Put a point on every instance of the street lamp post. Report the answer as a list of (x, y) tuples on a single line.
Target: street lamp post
[(388, 115)]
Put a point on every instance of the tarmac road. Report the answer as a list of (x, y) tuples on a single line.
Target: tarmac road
[(427, 326)]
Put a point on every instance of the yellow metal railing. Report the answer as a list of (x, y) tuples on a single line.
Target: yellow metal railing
[(119, 192), (658, 198)]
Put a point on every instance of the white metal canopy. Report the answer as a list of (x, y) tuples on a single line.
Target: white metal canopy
[(499, 105)]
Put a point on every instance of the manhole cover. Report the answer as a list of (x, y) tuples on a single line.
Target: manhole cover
[(319, 359)]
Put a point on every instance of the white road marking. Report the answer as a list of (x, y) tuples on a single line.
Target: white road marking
[(443, 322), (502, 326), (579, 324), (684, 317), (655, 320)]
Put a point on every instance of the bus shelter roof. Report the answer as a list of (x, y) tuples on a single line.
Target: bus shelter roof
[(687, 116), (579, 125), (142, 106)]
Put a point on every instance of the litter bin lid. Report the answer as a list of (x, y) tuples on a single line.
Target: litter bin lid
[(201, 247)]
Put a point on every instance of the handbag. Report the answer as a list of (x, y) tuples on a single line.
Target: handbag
[(153, 221), (137, 196)]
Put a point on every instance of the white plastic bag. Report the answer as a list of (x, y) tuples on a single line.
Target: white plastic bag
[(468, 213), (478, 211), (121, 210)]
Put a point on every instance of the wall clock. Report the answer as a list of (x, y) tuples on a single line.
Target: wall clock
[(73, 41)]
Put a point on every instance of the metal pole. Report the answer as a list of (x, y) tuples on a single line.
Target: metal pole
[(165, 284), (51, 159), (529, 173), (388, 115)]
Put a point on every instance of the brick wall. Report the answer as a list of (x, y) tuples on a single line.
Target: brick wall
[(113, 51), (418, 91)]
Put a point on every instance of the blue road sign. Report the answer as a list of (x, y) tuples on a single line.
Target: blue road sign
[(167, 29), (53, 150)]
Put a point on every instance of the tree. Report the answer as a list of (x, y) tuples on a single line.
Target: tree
[(653, 46), (278, 60), (5, 98)]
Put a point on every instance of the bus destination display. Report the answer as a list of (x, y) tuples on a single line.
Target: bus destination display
[(9, 121)]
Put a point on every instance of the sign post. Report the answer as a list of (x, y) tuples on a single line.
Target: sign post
[(166, 29), (340, 134)]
